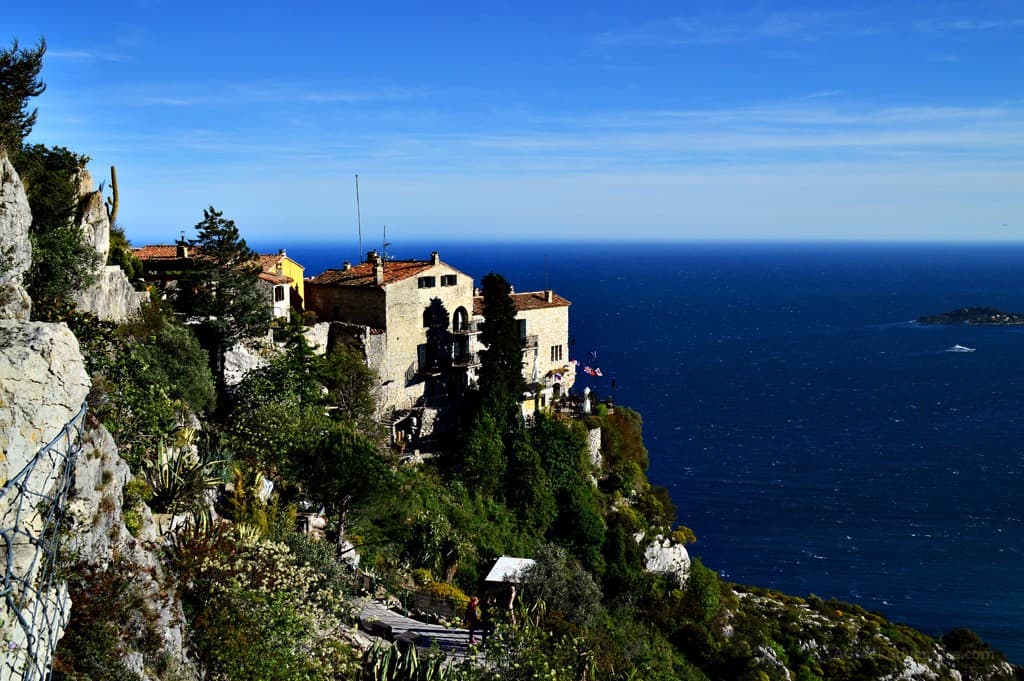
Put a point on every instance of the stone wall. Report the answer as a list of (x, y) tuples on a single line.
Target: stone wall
[(363, 306), (551, 327), (406, 303)]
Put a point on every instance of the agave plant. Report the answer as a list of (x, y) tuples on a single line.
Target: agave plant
[(178, 475), (395, 663)]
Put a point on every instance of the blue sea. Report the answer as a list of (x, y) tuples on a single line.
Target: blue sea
[(813, 437)]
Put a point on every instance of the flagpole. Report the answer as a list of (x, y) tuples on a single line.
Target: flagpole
[(359, 220)]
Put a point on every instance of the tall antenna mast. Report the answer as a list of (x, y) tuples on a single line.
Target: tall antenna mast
[(384, 243), (359, 220)]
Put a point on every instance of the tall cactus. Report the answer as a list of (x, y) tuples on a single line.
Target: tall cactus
[(112, 202)]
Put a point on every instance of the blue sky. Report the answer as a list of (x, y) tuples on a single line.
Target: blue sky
[(505, 120)]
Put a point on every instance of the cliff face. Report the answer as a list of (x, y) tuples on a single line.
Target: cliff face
[(43, 386), (15, 252)]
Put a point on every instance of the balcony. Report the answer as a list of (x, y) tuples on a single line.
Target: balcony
[(528, 342), (466, 360), (470, 329)]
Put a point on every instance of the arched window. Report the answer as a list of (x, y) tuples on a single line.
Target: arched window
[(460, 320)]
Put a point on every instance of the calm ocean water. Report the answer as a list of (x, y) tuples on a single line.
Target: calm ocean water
[(814, 439)]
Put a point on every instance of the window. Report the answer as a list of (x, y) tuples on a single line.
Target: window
[(449, 279), (521, 327), (278, 294), (427, 282), (460, 320), (556, 353)]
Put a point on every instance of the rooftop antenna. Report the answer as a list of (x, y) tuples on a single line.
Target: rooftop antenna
[(384, 243), (359, 219)]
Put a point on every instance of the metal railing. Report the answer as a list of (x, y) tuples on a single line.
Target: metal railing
[(32, 507), (466, 359)]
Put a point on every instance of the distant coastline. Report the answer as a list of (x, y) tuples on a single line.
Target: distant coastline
[(975, 315)]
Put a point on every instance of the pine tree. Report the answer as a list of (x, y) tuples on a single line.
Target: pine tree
[(19, 81), (222, 290)]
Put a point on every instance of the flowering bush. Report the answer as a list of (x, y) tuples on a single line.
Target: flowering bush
[(257, 614)]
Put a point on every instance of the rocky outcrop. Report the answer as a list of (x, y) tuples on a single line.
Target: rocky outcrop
[(111, 296), (667, 557), (92, 219), (98, 537), (317, 336), (42, 385), (245, 356), (15, 251)]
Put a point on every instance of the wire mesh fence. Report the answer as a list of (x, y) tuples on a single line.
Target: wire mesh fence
[(32, 507)]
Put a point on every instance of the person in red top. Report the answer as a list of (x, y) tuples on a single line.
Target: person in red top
[(473, 618)]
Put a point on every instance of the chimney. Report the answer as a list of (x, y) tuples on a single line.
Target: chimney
[(346, 266), (182, 251), (549, 296), (282, 252), (378, 267), (435, 258)]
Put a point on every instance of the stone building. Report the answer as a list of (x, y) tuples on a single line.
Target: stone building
[(281, 278), (418, 322), (543, 321), (411, 318)]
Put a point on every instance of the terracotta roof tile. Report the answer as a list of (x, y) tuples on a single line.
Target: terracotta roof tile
[(362, 274), (275, 278), (534, 300), (268, 263), (156, 252)]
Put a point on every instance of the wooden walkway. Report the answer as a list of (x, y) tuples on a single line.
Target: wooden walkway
[(377, 620)]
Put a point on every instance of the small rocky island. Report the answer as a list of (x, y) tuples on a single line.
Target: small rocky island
[(975, 315)]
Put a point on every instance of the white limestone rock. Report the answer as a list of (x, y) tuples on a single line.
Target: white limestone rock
[(666, 557), (245, 356), (111, 296), (42, 386), (93, 220), (317, 336), (15, 249)]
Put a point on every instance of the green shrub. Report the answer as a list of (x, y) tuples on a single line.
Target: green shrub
[(135, 492)]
